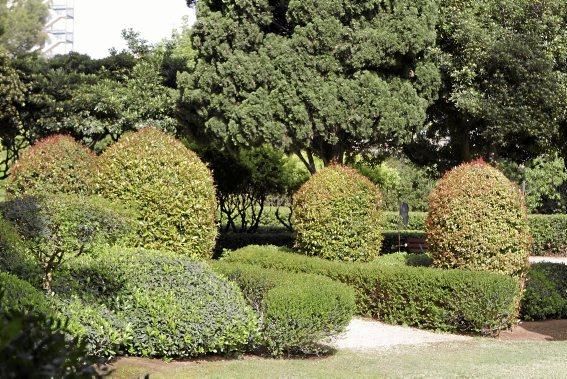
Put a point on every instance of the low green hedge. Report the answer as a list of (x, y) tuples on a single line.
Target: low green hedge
[(545, 296), (154, 304), (449, 300), (296, 311), (393, 221), (20, 296)]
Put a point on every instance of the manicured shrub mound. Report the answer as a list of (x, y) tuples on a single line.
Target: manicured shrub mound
[(477, 220), (545, 296), (296, 311), (56, 164), (154, 304), (20, 296), (337, 216), (450, 300), (168, 185)]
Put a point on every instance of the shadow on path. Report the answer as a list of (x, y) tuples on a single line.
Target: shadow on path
[(550, 330)]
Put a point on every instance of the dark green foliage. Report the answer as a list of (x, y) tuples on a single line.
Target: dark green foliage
[(545, 296), (549, 233), (404, 240), (337, 215), (393, 221), (34, 343), (296, 311), (167, 184), (153, 304), (326, 77), (57, 227), (477, 221), (450, 300), (233, 241), (14, 257)]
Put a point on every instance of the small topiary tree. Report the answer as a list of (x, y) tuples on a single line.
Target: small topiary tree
[(477, 220), (337, 215), (56, 164), (169, 187)]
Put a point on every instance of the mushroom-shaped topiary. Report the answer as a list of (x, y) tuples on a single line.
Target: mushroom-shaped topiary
[(56, 164), (337, 216), (477, 220), (168, 185)]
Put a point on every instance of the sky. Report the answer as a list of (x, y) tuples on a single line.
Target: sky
[(98, 23)]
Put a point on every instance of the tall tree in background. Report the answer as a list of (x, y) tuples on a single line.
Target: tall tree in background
[(504, 81), (330, 78), (21, 25)]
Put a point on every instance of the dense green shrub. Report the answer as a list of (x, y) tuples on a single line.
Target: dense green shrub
[(58, 227), (18, 295), (337, 216), (545, 296), (477, 220), (15, 258), (155, 304), (168, 185), (34, 343), (296, 311), (393, 221), (549, 233), (56, 164), (450, 300)]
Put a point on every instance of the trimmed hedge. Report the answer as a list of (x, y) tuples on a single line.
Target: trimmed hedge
[(545, 296), (20, 296), (153, 304), (477, 221), (169, 187), (336, 215), (56, 164), (296, 311), (393, 221), (449, 300)]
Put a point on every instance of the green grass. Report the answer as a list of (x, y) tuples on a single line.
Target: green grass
[(479, 357), (2, 190)]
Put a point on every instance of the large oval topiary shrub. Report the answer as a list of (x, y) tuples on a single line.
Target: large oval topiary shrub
[(337, 215), (477, 220), (169, 187), (56, 164)]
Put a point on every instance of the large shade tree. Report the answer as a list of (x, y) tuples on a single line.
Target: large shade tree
[(328, 78), (504, 88)]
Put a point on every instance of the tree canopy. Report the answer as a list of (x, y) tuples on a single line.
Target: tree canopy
[(21, 25), (329, 77)]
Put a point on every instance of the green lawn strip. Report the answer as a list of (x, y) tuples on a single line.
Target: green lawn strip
[(480, 357)]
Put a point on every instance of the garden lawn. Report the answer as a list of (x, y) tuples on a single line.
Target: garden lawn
[(480, 357)]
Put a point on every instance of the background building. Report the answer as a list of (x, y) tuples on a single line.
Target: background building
[(60, 27)]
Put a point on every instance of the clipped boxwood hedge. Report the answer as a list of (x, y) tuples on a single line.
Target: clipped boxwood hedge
[(393, 221), (545, 296), (19, 295), (56, 164), (168, 185), (450, 300), (154, 304), (296, 311), (337, 216)]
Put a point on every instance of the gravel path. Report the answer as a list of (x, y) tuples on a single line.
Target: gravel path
[(364, 334), (548, 259)]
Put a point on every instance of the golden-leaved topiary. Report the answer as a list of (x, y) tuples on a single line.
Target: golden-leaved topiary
[(169, 187), (337, 216), (56, 164), (477, 220)]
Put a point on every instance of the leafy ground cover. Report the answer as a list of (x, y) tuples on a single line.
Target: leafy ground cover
[(479, 357)]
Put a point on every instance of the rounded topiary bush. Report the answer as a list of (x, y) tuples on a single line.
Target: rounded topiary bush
[(477, 220), (169, 187), (153, 303), (56, 164), (337, 216)]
